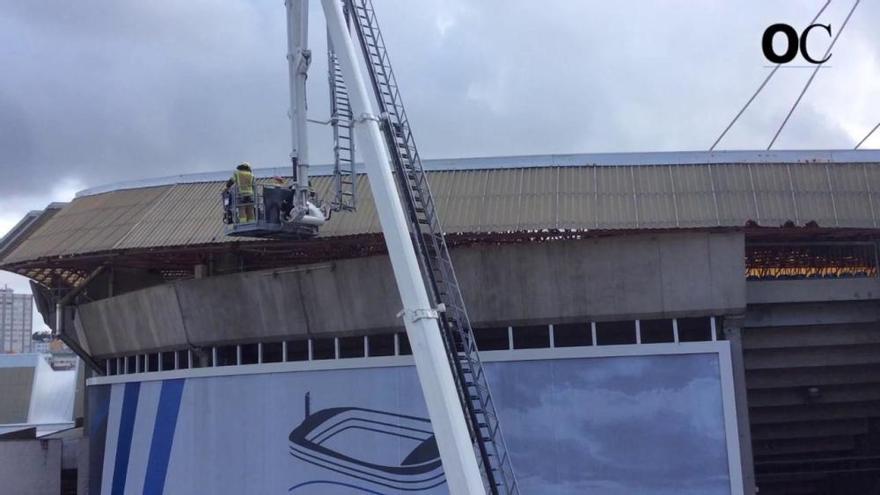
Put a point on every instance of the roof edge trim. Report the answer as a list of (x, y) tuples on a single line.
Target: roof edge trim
[(532, 161)]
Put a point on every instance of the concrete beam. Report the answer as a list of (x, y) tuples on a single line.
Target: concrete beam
[(804, 314), (614, 278), (144, 319), (807, 377), (803, 445), (814, 412), (811, 336), (847, 355), (794, 396), (815, 290), (810, 429)]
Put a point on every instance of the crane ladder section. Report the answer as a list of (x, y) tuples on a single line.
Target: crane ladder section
[(344, 176), (425, 227)]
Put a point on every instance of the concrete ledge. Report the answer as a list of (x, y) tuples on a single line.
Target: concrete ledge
[(794, 291), (612, 278), (811, 313)]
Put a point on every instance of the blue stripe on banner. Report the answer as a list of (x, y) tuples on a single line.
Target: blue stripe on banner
[(163, 436), (126, 428), (99, 411)]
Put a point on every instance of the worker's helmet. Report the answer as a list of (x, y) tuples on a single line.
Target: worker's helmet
[(244, 166)]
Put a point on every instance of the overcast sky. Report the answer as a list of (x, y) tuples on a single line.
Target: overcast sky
[(97, 91)]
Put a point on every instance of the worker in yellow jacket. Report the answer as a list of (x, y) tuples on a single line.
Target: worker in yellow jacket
[(243, 180)]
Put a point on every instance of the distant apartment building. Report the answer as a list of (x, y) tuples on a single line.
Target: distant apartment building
[(16, 319)]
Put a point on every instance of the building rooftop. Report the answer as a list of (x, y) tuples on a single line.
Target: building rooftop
[(532, 161), (476, 198)]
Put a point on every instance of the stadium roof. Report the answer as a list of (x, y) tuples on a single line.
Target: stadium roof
[(557, 160), (478, 196)]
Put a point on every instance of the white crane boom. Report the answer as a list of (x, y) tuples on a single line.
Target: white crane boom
[(421, 320), (369, 110)]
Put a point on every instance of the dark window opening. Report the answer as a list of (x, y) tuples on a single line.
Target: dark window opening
[(694, 329), (297, 350), (323, 349), (381, 345), (492, 338), (405, 348), (656, 331), (130, 364), (250, 353), (182, 360), (272, 352), (531, 337), (572, 335), (68, 482), (167, 359), (203, 358), (616, 332), (152, 362), (351, 347), (110, 366), (227, 355)]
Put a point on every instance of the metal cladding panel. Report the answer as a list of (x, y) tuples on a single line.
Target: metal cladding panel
[(538, 199), (186, 214), (502, 201), (773, 194), (362, 221), (615, 204), (655, 197), (812, 191), (735, 194), (459, 197), (577, 198), (497, 200), (443, 190), (16, 384), (695, 199), (872, 181), (31, 222), (325, 187), (89, 224), (851, 194)]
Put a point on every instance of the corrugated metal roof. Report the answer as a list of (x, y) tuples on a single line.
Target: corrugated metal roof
[(584, 197), (89, 224), (32, 221), (538, 161)]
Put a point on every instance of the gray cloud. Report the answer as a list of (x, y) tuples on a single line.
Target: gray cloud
[(615, 425), (102, 90)]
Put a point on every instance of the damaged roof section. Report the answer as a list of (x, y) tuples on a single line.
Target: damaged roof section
[(527, 196)]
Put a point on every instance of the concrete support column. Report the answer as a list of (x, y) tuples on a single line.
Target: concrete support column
[(733, 334)]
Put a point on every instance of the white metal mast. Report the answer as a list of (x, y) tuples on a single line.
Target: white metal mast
[(298, 59), (421, 320)]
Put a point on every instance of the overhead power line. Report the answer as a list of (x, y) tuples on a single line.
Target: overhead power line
[(813, 75), (867, 136), (766, 80)]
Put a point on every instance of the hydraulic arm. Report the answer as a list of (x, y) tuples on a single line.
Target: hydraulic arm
[(370, 111)]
